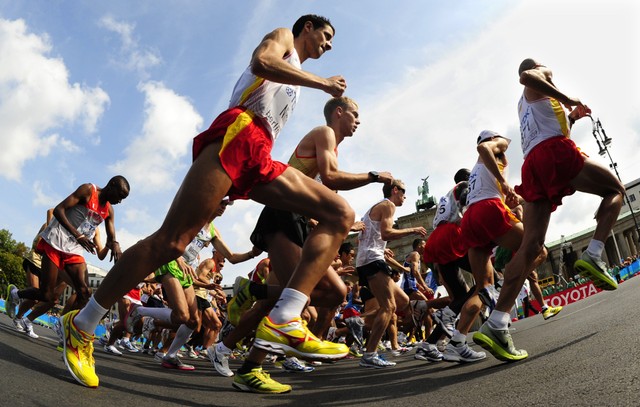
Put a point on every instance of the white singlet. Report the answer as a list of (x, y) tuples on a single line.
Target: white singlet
[(483, 185), (370, 244), (271, 101), (540, 120), (449, 210)]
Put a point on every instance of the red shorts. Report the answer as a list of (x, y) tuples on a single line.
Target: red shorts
[(485, 221), (246, 150), (60, 259), (445, 244), (548, 170), (134, 296)]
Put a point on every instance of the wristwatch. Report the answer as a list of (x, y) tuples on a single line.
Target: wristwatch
[(373, 176)]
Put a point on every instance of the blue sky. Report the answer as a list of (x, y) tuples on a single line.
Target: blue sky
[(93, 89)]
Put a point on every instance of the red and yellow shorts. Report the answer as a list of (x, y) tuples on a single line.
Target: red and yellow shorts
[(445, 244), (485, 221), (548, 170), (245, 154), (60, 259)]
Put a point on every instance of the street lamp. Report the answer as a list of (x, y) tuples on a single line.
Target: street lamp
[(603, 144)]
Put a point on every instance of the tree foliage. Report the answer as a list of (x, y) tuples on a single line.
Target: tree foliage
[(11, 255)]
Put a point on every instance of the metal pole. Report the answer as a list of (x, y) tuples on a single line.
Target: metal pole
[(601, 136)]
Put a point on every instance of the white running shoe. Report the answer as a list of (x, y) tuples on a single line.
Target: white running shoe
[(28, 328), (130, 347), (376, 361), (112, 349), (293, 364), (461, 352), (220, 360), (18, 324), (428, 352)]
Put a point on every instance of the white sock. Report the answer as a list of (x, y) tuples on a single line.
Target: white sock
[(289, 305), (222, 348), (182, 336), (161, 314), (544, 307), (89, 317), (14, 293), (595, 248), (499, 320)]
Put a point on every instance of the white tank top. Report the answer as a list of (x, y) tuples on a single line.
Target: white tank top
[(204, 236), (483, 185), (84, 217), (449, 210), (370, 244), (272, 102), (541, 120)]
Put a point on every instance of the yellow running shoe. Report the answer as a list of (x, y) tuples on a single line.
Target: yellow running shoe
[(499, 343), (596, 270), (259, 381), (241, 302), (293, 338), (551, 312), (78, 352)]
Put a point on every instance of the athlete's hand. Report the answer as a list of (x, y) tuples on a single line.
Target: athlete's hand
[(335, 86), (87, 244), (358, 226), (579, 112), (116, 252), (420, 231), (385, 177)]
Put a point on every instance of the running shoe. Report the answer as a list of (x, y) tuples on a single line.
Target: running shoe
[(220, 360), (446, 318), (428, 352), (18, 324), (461, 352), (159, 356), (292, 364), (596, 270), (28, 328), (112, 350), (132, 318), (355, 351), (130, 347), (551, 312), (259, 381), (376, 361), (176, 363), (242, 300), (499, 343), (12, 301), (293, 338), (78, 352), (57, 327), (441, 345), (400, 351)]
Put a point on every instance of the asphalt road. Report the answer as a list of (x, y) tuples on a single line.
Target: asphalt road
[(587, 355)]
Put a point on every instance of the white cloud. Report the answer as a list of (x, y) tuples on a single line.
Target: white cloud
[(35, 96), (135, 57), (42, 197), (153, 158)]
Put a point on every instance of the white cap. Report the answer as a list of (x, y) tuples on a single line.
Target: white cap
[(487, 134)]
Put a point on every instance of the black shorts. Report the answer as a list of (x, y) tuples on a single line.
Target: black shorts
[(202, 303), (29, 267), (370, 269), (271, 220), (365, 294)]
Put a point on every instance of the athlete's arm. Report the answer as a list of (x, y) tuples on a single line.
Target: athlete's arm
[(414, 265), (233, 258), (488, 151), (112, 243), (386, 210), (267, 62), (327, 159)]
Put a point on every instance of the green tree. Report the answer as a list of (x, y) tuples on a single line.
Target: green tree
[(11, 254)]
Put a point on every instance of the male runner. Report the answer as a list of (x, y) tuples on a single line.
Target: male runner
[(233, 157), (553, 168)]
